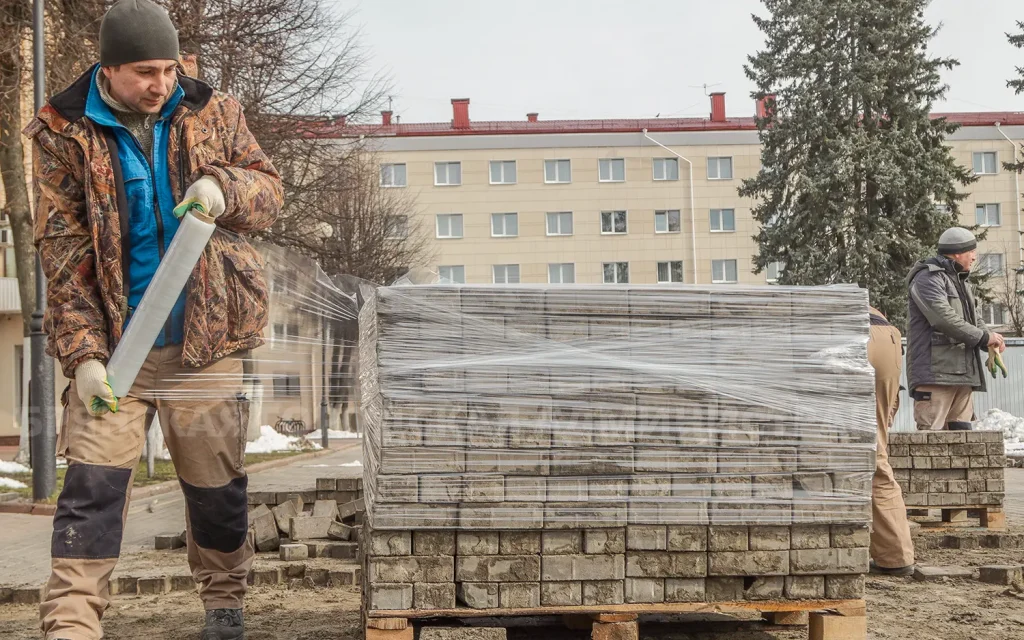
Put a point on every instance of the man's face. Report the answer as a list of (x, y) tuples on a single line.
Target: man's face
[(966, 259), (143, 86)]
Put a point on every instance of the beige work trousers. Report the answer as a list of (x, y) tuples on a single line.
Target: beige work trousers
[(204, 416), (891, 544), (947, 404)]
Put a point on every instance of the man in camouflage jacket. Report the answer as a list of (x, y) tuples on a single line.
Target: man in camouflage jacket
[(114, 153)]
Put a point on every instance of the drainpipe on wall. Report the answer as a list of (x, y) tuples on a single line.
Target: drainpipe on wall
[(693, 206)]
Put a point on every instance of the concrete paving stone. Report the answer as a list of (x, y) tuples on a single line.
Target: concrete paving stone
[(748, 563), (850, 536), (498, 569), (318, 577), (844, 587), (805, 587), (462, 633), (805, 536), (411, 569), (583, 567), (478, 595), (433, 543), (262, 577), (927, 574), (646, 538), (519, 595), (525, 515), (127, 585), (293, 570), (183, 583), (350, 576), (728, 539), (604, 541), (687, 538), (390, 543), (1001, 574), (171, 541), (27, 595), (685, 590), (662, 564), (765, 588), (519, 543), (561, 542), (154, 586), (343, 550), (576, 516), (644, 590), (434, 595), (561, 594), (603, 592), (283, 514), (293, 552), (478, 543), (724, 589), (388, 596), (770, 538), (339, 531), (325, 509)]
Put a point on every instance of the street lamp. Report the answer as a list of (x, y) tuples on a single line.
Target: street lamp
[(42, 421)]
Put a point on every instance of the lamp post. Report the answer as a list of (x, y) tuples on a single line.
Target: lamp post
[(42, 423)]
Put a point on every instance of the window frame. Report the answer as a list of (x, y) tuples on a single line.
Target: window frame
[(437, 226), (561, 266), (654, 169), (668, 264), (768, 270), (985, 205), (403, 226), (983, 154), (391, 165), (504, 225), (668, 221), (451, 267), (502, 163), (718, 167), (556, 161), (986, 257), (617, 264), (447, 165), (721, 220), (547, 223), (611, 169), (725, 271), (494, 274), (613, 232)]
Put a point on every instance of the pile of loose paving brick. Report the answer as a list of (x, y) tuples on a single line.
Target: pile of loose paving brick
[(949, 469), (321, 523), (558, 446)]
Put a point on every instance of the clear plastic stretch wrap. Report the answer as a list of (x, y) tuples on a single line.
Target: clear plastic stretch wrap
[(568, 407)]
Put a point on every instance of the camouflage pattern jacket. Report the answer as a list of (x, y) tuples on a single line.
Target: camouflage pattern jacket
[(83, 238)]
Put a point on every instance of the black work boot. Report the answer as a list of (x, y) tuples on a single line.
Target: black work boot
[(223, 624)]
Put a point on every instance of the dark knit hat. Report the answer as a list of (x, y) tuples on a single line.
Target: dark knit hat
[(956, 240), (137, 30)]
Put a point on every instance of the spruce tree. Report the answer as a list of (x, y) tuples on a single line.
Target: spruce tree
[(1017, 84), (856, 181)]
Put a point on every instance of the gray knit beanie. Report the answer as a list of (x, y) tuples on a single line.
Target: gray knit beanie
[(137, 30), (956, 240)]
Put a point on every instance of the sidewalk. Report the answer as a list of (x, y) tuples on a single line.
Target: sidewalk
[(25, 540)]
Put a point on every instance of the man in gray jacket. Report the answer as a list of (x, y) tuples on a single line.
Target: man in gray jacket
[(946, 335)]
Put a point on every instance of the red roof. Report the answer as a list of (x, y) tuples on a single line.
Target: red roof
[(336, 129)]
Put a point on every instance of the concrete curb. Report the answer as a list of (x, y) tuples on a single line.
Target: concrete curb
[(28, 508)]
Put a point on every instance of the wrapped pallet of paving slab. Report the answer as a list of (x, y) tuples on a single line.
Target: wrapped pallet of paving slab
[(551, 446)]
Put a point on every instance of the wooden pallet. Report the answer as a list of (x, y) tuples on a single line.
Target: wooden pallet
[(993, 518), (825, 619)]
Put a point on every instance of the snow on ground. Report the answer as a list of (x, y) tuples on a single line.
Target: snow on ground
[(271, 441), (354, 463), (1011, 426), (13, 467), (8, 483), (341, 435)]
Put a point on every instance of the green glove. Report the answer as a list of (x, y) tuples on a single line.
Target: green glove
[(186, 206), (995, 361)]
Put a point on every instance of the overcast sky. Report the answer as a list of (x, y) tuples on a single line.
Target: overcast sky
[(635, 58)]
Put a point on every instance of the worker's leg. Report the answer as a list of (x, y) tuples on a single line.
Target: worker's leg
[(932, 404), (961, 410), (891, 544), (102, 453), (204, 417)]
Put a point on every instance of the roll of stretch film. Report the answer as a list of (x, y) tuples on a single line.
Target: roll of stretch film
[(170, 278)]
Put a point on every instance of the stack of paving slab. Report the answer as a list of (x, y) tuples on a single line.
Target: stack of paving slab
[(574, 445), (287, 520), (949, 469)]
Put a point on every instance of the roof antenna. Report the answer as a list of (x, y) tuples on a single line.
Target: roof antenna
[(705, 87)]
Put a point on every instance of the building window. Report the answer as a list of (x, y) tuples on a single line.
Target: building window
[(667, 221), (616, 272), (987, 215), (398, 227), (557, 171), (772, 271), (449, 225), (504, 225), (719, 168), (611, 170), (452, 274), (990, 264), (447, 174), (287, 386), (670, 272), (392, 175), (994, 314), (666, 168), (562, 273), (985, 163), (723, 271), (284, 333), (506, 274), (5, 236), (723, 220), (560, 223), (613, 222), (503, 171)]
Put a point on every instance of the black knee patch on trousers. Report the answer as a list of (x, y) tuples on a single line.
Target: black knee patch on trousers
[(87, 523), (219, 516), (954, 425)]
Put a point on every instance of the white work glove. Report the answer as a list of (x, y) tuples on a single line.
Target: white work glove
[(205, 192), (93, 388)]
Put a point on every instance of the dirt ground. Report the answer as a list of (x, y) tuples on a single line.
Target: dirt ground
[(898, 609)]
